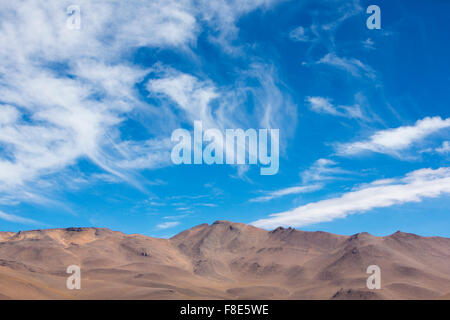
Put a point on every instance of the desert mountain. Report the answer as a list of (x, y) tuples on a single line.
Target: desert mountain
[(222, 261)]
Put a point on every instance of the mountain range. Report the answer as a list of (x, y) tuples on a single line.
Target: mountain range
[(223, 260)]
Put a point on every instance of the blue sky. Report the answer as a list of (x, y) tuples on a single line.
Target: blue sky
[(86, 114)]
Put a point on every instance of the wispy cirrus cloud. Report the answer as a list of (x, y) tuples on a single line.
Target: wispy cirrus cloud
[(17, 219), (190, 94), (414, 187), (285, 192), (167, 225), (351, 65), (322, 30), (66, 95), (368, 44), (221, 106), (325, 105), (445, 148), (392, 141), (222, 16), (323, 170), (67, 91), (302, 34)]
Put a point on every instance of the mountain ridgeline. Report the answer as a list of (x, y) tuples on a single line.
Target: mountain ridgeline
[(224, 260)]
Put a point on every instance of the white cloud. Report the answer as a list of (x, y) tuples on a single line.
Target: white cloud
[(323, 169), (445, 148), (415, 186), (368, 44), (152, 153), (183, 208), (8, 114), (210, 205), (192, 95), (242, 171), (222, 15), (324, 105), (322, 33), (302, 35), (287, 191), (391, 141), (224, 107), (353, 66), (64, 94), (167, 225), (17, 219), (273, 108), (176, 217)]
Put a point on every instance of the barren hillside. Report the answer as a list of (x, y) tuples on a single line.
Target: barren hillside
[(222, 260)]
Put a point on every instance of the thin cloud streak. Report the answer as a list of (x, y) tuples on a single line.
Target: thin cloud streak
[(324, 170), (17, 219), (415, 186), (287, 191), (167, 225), (352, 65), (324, 105)]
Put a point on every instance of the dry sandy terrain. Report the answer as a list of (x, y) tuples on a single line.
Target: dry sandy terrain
[(222, 261)]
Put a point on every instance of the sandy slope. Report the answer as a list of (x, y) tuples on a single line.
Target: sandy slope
[(222, 260)]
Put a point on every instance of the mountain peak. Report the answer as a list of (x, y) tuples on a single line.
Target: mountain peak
[(221, 222), (282, 229), (361, 236), (404, 235)]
